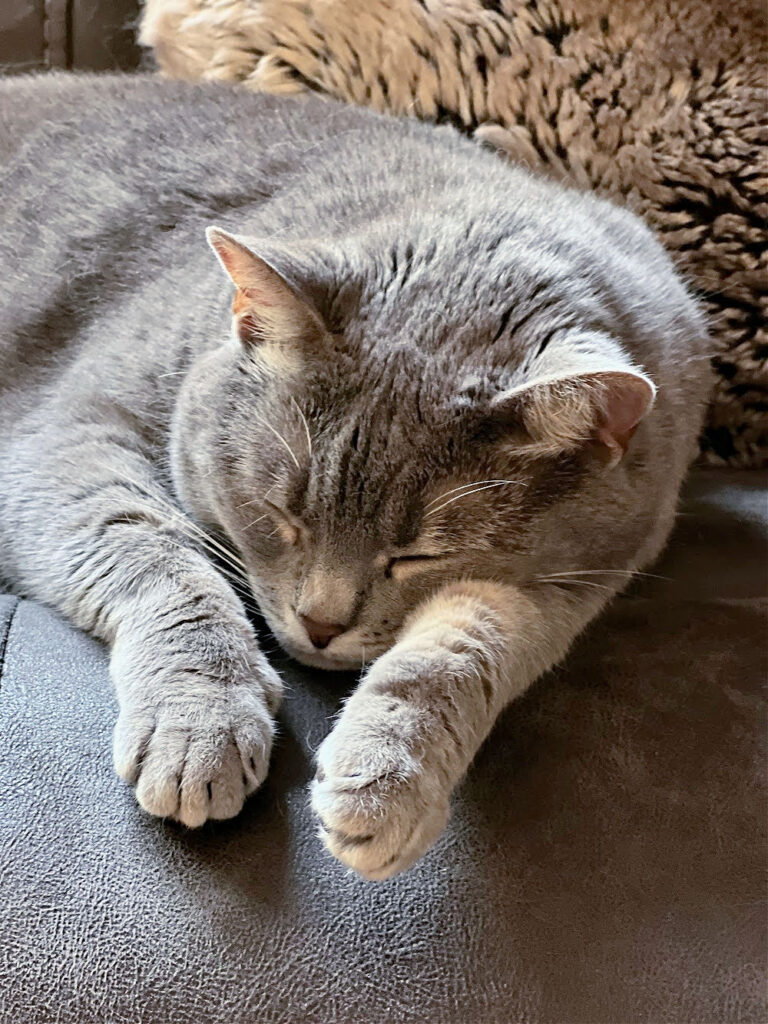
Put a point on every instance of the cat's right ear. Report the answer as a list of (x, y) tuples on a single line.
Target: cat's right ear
[(266, 309)]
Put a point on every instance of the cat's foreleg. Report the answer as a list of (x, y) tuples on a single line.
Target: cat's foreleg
[(107, 547), (408, 733), (196, 695)]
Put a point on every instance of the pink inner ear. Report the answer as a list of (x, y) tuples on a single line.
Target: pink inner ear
[(232, 256), (246, 271), (225, 256), (627, 401), (247, 298)]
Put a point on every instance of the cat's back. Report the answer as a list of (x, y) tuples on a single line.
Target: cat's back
[(107, 182), (104, 183), (91, 109), (88, 162), (104, 201)]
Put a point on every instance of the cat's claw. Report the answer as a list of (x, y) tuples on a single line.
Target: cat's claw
[(380, 804), (195, 758)]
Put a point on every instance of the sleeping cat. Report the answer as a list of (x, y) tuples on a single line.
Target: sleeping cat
[(433, 411)]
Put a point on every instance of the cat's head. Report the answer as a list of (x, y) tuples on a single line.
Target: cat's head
[(358, 463)]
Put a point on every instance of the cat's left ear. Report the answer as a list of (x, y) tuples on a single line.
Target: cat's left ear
[(563, 413), (266, 309)]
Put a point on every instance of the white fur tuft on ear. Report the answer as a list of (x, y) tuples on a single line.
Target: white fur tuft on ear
[(265, 307), (565, 413)]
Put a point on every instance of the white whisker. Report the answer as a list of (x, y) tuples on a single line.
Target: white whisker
[(194, 531), (282, 440), (487, 487), (571, 582), (463, 487), (209, 544), (236, 580), (257, 520), (255, 501), (613, 572), (181, 520), (306, 426)]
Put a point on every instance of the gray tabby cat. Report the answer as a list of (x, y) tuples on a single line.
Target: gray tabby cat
[(444, 421)]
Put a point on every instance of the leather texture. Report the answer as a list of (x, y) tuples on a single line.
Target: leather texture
[(86, 35), (605, 861)]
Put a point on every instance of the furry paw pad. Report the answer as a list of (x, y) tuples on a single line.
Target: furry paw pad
[(196, 757), (381, 806)]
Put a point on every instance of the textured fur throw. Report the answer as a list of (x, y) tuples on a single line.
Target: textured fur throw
[(657, 103)]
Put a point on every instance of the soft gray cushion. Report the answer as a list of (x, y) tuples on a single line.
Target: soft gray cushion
[(604, 862)]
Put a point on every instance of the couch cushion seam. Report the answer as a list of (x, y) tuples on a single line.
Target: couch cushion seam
[(4, 639)]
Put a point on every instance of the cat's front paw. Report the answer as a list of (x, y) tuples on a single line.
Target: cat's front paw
[(197, 755), (381, 800)]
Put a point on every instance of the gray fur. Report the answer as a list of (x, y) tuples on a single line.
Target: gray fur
[(457, 321)]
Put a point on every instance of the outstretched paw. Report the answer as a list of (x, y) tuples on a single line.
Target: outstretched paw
[(380, 803), (198, 756)]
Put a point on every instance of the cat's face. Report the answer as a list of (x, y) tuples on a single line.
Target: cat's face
[(353, 485), (349, 510)]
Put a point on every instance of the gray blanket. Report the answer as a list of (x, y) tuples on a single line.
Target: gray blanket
[(605, 862)]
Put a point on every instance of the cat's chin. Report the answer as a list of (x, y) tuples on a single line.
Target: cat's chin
[(321, 659)]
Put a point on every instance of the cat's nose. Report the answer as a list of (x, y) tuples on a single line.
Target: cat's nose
[(321, 633)]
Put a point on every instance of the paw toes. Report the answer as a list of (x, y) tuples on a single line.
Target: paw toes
[(254, 745), (227, 793), (196, 761), (376, 831), (131, 739), (158, 795), (157, 789), (193, 805), (347, 840), (273, 692)]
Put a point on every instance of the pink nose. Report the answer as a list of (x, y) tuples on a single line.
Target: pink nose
[(321, 633)]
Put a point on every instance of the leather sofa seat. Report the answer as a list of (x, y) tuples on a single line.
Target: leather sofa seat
[(605, 861)]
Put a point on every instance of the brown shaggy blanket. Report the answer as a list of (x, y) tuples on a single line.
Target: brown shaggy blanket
[(659, 104)]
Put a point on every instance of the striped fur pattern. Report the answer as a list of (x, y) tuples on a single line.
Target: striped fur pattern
[(658, 104)]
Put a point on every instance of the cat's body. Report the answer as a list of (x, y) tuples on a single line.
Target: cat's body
[(398, 447)]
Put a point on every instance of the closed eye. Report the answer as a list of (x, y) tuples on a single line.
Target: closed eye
[(290, 528), (403, 563)]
